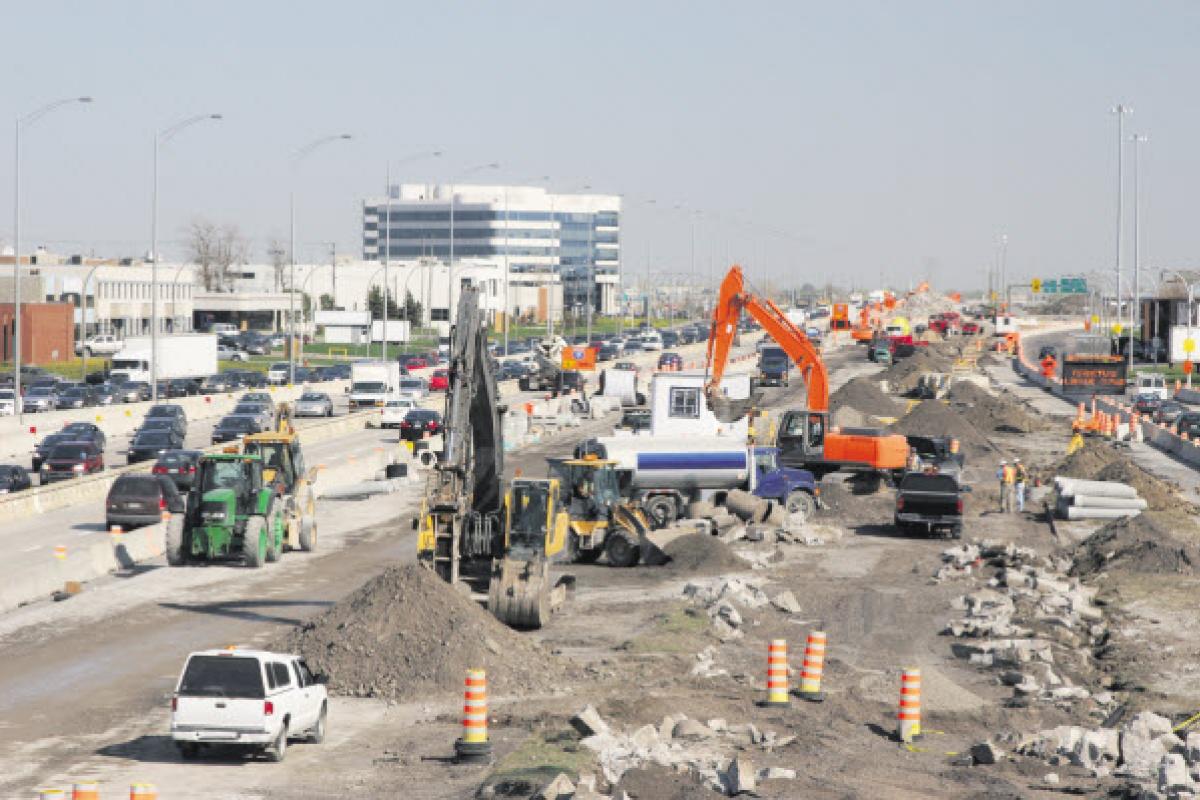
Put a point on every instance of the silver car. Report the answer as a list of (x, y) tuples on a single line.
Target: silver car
[(40, 398), (313, 404)]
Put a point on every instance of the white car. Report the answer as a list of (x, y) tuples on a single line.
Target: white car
[(8, 403), (278, 373), (227, 353), (395, 410), (252, 698), (99, 345), (651, 341), (416, 388)]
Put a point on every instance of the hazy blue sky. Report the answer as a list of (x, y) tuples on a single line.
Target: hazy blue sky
[(896, 137)]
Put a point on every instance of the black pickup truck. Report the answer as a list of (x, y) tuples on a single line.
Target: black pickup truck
[(929, 501)]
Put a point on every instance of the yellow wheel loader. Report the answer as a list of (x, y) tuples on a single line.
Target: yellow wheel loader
[(284, 469)]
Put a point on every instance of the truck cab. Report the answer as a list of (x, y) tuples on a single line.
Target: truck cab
[(795, 489), (774, 367)]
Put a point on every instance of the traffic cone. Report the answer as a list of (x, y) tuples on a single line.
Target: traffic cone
[(777, 673), (474, 747), (85, 790), (909, 716), (143, 791), (814, 667)]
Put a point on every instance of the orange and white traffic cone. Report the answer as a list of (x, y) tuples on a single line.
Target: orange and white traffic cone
[(814, 667), (909, 717), (777, 673), (85, 790), (474, 747), (143, 791)]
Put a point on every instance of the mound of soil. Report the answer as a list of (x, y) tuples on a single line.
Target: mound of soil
[(934, 418), (1086, 462), (864, 396), (407, 633), (902, 376), (988, 412), (1154, 542), (702, 554), (1100, 461)]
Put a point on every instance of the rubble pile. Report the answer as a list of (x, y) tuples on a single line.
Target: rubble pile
[(722, 598), (903, 375), (713, 752)]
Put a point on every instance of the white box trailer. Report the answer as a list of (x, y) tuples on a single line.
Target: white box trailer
[(180, 355), (398, 330)]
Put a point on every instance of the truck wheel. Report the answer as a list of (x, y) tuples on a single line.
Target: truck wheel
[(176, 554), (308, 533), (317, 735), (254, 542), (274, 545), (278, 750), (800, 504), (661, 510), (956, 532), (621, 552), (188, 751)]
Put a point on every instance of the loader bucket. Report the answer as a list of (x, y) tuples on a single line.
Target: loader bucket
[(728, 409)]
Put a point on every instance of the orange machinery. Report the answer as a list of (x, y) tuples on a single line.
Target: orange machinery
[(839, 317), (804, 437), (870, 322)]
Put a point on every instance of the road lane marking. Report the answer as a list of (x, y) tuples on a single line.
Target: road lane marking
[(31, 549)]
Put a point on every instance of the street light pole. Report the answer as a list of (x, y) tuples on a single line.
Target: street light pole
[(1135, 316), (160, 138), (22, 121), (1120, 110), (297, 158)]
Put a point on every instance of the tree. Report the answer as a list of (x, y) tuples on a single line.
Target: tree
[(375, 303), (326, 302), (279, 263), (412, 308), (215, 250)]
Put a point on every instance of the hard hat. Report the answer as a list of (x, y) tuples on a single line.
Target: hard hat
[(1016, 461), (1003, 462)]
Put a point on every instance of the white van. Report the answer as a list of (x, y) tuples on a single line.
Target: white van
[(248, 698), (651, 340), (1151, 383)]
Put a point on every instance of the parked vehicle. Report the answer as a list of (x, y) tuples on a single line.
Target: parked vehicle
[(176, 427), (1151, 383), (71, 460), (411, 362), (651, 340), (669, 338), (227, 353), (634, 345), (169, 411), (930, 500), (234, 427), (607, 352), (1147, 403), (8, 402), (133, 391), (138, 499), (75, 396), (418, 423), (313, 404), (13, 478), (670, 361), (99, 345), (279, 373), (247, 698), (510, 370), (216, 384), (262, 411), (179, 466)]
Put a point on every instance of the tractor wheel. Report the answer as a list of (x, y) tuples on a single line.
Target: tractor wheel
[(589, 556), (175, 551), (661, 510), (621, 551), (254, 542), (801, 504), (308, 533), (276, 525)]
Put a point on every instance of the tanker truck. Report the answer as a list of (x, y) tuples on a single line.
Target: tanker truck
[(664, 474)]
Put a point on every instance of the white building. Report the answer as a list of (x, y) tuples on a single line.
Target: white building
[(526, 229)]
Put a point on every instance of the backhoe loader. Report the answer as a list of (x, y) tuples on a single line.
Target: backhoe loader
[(284, 469)]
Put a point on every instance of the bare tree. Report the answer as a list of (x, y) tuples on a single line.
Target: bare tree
[(233, 249), (203, 242), (279, 262)]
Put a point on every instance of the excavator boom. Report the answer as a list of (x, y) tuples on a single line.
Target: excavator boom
[(733, 298)]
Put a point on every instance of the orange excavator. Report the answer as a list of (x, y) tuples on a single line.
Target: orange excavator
[(870, 322), (804, 437)]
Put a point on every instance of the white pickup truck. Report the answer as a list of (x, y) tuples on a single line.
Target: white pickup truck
[(247, 698), (99, 346)]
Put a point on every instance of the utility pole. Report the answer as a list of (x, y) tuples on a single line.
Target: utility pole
[(1120, 110), (1135, 311)]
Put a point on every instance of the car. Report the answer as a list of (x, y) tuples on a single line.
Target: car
[(313, 404), (930, 500), (420, 422), (1146, 403), (8, 402), (258, 397), (13, 478), (414, 387), (216, 384), (687, 336), (170, 411), (305, 375), (633, 345), (651, 340), (133, 392), (39, 398), (46, 382), (178, 387), (340, 371), (137, 499), (511, 370), (249, 379), (106, 395), (971, 328), (151, 443), (395, 410), (235, 426), (279, 373), (607, 352), (626, 365), (179, 466), (266, 417), (670, 362), (256, 346), (635, 419), (1189, 423), (227, 353), (881, 354), (252, 699), (1168, 411), (326, 373), (99, 345), (669, 339), (439, 381), (75, 396), (411, 362), (1047, 350), (71, 460), (42, 449), (86, 432)]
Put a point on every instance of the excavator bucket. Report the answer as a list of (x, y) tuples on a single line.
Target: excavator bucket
[(520, 593), (728, 409)]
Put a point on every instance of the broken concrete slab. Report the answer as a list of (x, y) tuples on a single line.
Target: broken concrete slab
[(560, 788), (739, 777), (786, 601), (692, 729), (588, 722)]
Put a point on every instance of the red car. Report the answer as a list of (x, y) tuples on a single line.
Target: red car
[(414, 362), (439, 381), (970, 329), (71, 460)]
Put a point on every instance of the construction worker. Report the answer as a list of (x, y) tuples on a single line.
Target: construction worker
[(1076, 443), (1022, 479), (1007, 477), (914, 460)]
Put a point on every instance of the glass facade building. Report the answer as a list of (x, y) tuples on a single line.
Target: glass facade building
[(532, 230)]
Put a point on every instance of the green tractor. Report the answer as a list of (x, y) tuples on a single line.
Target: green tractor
[(231, 514)]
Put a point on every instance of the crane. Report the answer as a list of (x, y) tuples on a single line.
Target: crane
[(805, 438)]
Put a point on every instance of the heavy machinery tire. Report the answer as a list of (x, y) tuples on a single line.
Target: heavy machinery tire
[(800, 504), (661, 510), (620, 551), (278, 750), (176, 554), (317, 734), (254, 542), (308, 533), (589, 556)]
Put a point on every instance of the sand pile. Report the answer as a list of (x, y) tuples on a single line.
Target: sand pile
[(407, 633), (863, 395), (702, 554), (934, 418), (990, 413), (1154, 542)]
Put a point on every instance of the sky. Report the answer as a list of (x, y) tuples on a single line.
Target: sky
[(845, 142)]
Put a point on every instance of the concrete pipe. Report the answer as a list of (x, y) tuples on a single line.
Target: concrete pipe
[(723, 521), (1100, 513), (698, 509), (1091, 501), (775, 516), (1069, 487), (426, 458), (746, 506)]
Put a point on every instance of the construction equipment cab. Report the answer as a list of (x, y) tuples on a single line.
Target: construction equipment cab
[(805, 439)]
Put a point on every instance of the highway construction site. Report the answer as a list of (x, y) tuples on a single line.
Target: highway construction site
[(1053, 654)]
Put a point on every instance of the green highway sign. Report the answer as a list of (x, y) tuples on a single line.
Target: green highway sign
[(1063, 286)]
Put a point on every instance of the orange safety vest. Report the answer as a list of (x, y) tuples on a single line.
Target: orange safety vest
[(1010, 474)]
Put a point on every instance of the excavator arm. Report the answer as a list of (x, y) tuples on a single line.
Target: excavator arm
[(731, 301)]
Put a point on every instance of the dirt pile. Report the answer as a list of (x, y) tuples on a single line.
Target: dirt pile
[(863, 395), (407, 633), (902, 376), (1086, 462), (934, 418), (991, 413), (1100, 461), (1154, 542), (702, 554)]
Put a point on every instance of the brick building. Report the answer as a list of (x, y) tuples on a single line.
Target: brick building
[(47, 332)]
